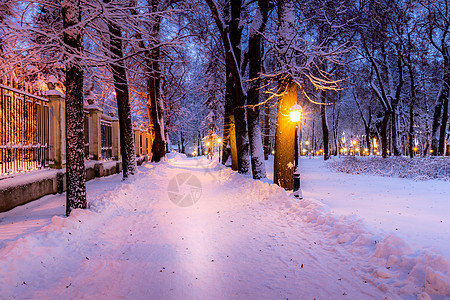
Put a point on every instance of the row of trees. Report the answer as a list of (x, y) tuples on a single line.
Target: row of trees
[(183, 68), (384, 61)]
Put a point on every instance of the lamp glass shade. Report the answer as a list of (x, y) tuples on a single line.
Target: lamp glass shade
[(295, 115)]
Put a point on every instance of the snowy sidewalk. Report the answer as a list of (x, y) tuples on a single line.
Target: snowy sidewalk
[(242, 239)]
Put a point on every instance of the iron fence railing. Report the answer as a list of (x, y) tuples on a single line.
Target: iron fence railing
[(24, 131), (106, 136), (86, 134)]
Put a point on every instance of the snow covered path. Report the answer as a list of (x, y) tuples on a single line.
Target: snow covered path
[(243, 239)]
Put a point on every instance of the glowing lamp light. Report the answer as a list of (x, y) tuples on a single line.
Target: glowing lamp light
[(208, 143), (354, 142), (206, 152), (431, 150), (307, 143), (273, 151), (219, 140), (295, 113)]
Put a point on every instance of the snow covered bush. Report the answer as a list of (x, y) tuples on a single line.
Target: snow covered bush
[(420, 168)]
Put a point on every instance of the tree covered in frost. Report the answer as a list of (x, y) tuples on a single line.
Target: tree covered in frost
[(75, 171)]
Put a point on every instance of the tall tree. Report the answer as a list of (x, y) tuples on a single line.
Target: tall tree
[(75, 170), (155, 103), (230, 35), (287, 89), (253, 111), (127, 146), (438, 23)]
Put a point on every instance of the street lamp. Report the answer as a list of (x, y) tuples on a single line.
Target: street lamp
[(296, 114), (354, 142)]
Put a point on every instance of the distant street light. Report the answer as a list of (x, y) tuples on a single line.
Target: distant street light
[(354, 142), (296, 115)]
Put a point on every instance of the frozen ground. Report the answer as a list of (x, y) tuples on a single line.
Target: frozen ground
[(351, 237), (418, 211)]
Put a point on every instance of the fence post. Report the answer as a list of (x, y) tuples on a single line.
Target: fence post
[(137, 133), (150, 143), (115, 138), (57, 104), (145, 145), (95, 132)]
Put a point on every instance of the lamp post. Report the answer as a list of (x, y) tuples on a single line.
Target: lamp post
[(296, 115), (354, 143)]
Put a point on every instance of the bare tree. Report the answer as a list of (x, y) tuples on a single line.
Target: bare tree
[(75, 171)]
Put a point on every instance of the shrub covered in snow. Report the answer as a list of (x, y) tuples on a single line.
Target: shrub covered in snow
[(420, 168)]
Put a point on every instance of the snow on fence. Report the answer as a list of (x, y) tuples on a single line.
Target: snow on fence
[(32, 132), (86, 134), (24, 131), (143, 140), (106, 137)]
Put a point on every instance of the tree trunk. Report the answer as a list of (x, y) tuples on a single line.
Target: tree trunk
[(199, 144), (154, 102), (266, 130), (240, 124), (285, 131), (384, 133), (127, 146), (254, 127), (382, 97), (75, 170), (443, 127), (183, 150), (229, 129), (313, 142), (155, 105), (395, 103), (231, 38), (336, 129), (325, 132), (284, 137), (437, 116), (412, 89)]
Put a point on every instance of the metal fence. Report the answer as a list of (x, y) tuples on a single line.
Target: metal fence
[(24, 131), (86, 134), (106, 136)]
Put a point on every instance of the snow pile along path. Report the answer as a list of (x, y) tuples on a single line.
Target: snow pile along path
[(191, 229)]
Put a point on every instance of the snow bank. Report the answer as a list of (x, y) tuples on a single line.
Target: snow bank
[(391, 264), (420, 168), (390, 260)]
